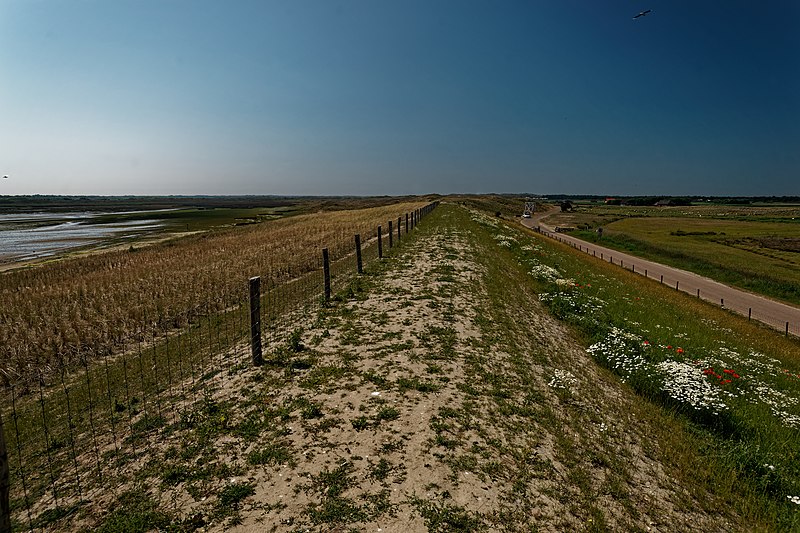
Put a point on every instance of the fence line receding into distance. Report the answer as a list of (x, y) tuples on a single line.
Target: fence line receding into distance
[(72, 434)]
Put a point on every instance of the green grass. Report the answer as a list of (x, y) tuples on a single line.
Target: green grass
[(739, 446), (756, 253), (134, 512), (443, 516)]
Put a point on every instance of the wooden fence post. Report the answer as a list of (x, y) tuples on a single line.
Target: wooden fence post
[(676, 285), (399, 220), (326, 269), (390, 234), (749, 313), (787, 329), (359, 265), (406, 223), (380, 242), (255, 321), (5, 508)]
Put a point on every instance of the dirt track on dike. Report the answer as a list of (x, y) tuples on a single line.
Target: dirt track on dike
[(777, 315), (433, 418)]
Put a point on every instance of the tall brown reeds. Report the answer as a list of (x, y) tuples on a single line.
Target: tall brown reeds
[(54, 314)]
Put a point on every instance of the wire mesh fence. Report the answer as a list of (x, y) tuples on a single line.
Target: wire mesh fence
[(79, 426)]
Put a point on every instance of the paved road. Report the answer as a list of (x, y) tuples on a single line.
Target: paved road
[(780, 316)]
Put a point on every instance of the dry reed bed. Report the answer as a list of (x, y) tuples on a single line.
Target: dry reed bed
[(57, 313)]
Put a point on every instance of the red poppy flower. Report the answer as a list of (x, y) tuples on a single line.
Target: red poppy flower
[(679, 350), (669, 347), (726, 381)]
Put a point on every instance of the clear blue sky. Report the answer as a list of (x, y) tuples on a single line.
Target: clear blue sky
[(399, 97)]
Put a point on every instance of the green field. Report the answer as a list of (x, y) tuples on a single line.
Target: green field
[(754, 248)]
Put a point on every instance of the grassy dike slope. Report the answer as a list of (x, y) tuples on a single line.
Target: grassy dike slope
[(435, 394)]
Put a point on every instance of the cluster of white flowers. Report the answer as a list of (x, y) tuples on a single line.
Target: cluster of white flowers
[(545, 273), (563, 379), (777, 400), (753, 389), (618, 350), (480, 218), (788, 419), (532, 248), (752, 363), (578, 304), (744, 376), (505, 240), (687, 383), (794, 499)]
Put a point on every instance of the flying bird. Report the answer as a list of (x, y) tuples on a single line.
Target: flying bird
[(5, 177), (642, 14)]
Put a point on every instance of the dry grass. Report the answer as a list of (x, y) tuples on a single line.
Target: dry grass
[(58, 313)]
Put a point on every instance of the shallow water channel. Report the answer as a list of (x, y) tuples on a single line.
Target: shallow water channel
[(29, 236)]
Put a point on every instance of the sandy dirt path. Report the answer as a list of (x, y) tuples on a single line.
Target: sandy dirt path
[(780, 316), (435, 416)]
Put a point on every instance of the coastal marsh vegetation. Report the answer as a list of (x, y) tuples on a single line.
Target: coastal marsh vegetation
[(55, 313)]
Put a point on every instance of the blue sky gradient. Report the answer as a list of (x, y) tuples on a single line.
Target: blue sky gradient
[(379, 97)]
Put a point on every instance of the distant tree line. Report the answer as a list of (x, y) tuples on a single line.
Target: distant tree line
[(675, 200)]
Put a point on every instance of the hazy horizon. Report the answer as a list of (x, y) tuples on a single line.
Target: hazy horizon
[(373, 98)]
